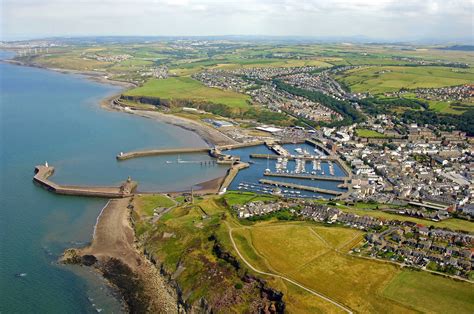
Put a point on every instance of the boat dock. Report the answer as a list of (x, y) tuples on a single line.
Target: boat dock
[(305, 176), (43, 172), (291, 157), (231, 174), (277, 148), (301, 187)]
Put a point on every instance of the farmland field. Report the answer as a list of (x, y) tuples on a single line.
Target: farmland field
[(188, 88), (378, 80)]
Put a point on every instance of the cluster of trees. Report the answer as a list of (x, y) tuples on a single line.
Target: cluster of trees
[(463, 122), (284, 214), (344, 108), (374, 106), (252, 113)]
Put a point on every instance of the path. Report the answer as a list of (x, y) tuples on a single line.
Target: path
[(345, 309)]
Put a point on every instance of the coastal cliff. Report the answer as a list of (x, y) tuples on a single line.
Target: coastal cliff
[(113, 253), (189, 248)]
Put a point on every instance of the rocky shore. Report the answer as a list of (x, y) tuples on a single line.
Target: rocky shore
[(114, 254)]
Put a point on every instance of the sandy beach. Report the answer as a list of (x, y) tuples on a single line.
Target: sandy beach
[(210, 135), (114, 238)]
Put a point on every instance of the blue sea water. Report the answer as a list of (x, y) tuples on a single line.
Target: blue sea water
[(255, 172), (54, 117)]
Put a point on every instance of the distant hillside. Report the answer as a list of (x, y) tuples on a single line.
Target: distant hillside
[(459, 48)]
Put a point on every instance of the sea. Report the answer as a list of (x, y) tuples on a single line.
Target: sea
[(56, 118), (47, 116)]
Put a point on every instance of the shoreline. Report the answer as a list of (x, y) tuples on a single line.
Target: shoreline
[(209, 135), (144, 287), (112, 251), (98, 77)]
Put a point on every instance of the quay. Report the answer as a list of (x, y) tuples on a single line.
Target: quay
[(305, 176), (231, 174), (277, 148), (156, 152), (301, 187), (43, 172), (240, 145)]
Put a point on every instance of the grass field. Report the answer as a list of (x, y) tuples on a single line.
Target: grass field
[(369, 133), (316, 256), (188, 88), (377, 80), (310, 254), (238, 198), (422, 290), (149, 202), (449, 107)]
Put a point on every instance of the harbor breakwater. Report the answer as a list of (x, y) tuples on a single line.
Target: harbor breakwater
[(43, 172)]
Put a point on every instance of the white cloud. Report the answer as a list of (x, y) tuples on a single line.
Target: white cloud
[(376, 18)]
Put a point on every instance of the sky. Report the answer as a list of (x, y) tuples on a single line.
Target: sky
[(377, 19)]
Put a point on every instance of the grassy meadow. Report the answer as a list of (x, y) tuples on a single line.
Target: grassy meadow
[(421, 290), (188, 88), (312, 254), (382, 79)]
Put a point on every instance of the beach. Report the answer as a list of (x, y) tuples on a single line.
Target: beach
[(210, 135), (114, 240)]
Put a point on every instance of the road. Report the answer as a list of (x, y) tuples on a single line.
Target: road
[(342, 307)]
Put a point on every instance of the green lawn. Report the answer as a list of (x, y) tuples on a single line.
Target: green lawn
[(449, 107), (369, 133), (383, 79), (429, 293), (188, 88), (239, 198), (149, 202)]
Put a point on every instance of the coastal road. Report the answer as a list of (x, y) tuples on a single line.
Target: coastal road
[(342, 307)]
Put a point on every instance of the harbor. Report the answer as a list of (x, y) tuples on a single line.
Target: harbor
[(300, 187), (289, 160)]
